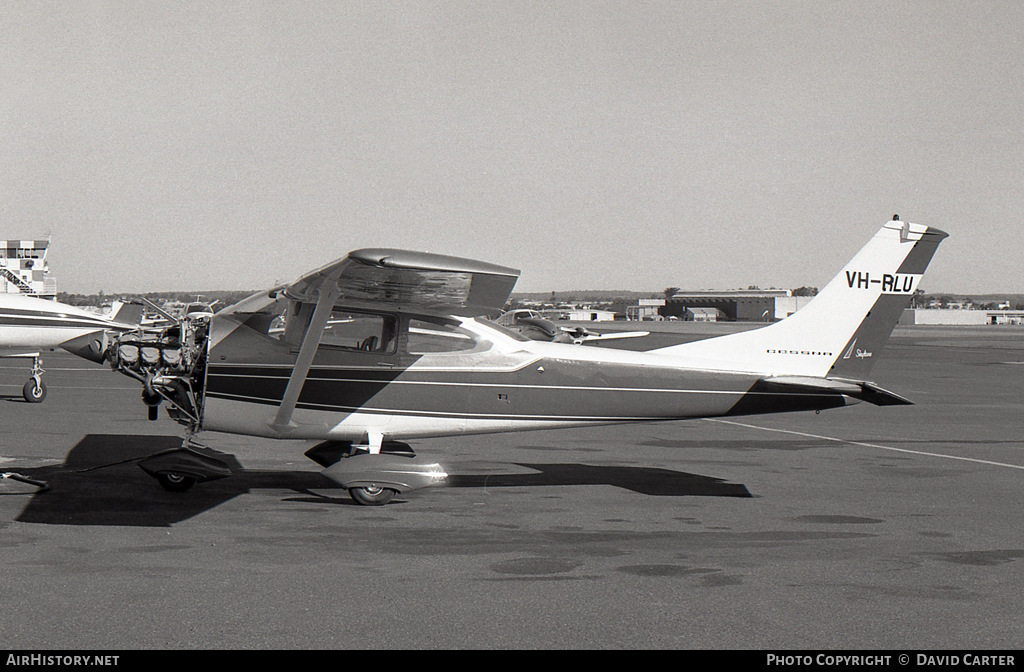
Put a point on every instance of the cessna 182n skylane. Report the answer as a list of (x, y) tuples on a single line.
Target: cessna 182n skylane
[(41, 324), (385, 345)]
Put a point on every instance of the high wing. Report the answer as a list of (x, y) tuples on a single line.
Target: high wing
[(407, 280), (398, 280)]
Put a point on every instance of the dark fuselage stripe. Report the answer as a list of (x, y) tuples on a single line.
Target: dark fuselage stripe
[(440, 414), (50, 321), (751, 397), (513, 386)]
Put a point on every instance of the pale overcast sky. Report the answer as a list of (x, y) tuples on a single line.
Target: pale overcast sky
[(595, 145)]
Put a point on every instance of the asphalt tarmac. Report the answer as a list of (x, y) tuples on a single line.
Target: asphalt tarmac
[(860, 528)]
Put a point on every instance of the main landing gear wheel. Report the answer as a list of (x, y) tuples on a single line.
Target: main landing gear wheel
[(34, 391), (372, 495), (175, 482)]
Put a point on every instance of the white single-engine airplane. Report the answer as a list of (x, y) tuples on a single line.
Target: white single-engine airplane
[(384, 346), (41, 324)]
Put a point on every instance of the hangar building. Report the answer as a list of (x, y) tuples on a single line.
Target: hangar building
[(749, 305)]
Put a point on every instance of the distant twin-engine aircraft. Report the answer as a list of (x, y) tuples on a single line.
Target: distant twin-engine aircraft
[(385, 346), (529, 323), (29, 322)]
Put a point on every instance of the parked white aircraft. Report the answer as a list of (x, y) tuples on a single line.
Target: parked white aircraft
[(34, 324)]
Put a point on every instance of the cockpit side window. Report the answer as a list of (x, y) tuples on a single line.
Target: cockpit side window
[(435, 336), (368, 332)]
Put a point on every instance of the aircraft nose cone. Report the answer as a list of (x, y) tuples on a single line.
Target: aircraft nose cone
[(92, 346)]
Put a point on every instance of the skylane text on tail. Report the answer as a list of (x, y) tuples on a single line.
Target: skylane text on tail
[(386, 346)]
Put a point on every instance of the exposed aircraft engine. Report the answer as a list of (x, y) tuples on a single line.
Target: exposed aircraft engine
[(170, 362)]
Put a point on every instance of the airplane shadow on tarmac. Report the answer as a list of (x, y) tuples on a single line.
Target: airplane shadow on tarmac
[(99, 483), (643, 480)]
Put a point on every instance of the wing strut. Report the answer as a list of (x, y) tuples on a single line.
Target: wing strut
[(328, 293)]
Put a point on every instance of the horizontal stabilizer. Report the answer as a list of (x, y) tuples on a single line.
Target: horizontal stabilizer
[(879, 397), (861, 390)]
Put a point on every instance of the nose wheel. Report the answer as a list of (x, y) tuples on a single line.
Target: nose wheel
[(34, 391), (173, 482), (178, 470)]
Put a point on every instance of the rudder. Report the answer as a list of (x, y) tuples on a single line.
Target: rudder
[(898, 289)]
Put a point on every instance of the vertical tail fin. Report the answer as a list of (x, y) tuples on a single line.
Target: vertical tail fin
[(127, 313), (845, 327)]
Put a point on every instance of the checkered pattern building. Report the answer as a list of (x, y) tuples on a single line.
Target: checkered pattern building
[(23, 268)]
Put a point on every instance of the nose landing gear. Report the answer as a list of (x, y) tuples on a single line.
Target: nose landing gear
[(34, 390), (180, 469)]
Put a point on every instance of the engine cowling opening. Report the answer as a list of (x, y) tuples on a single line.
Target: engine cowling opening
[(170, 362)]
